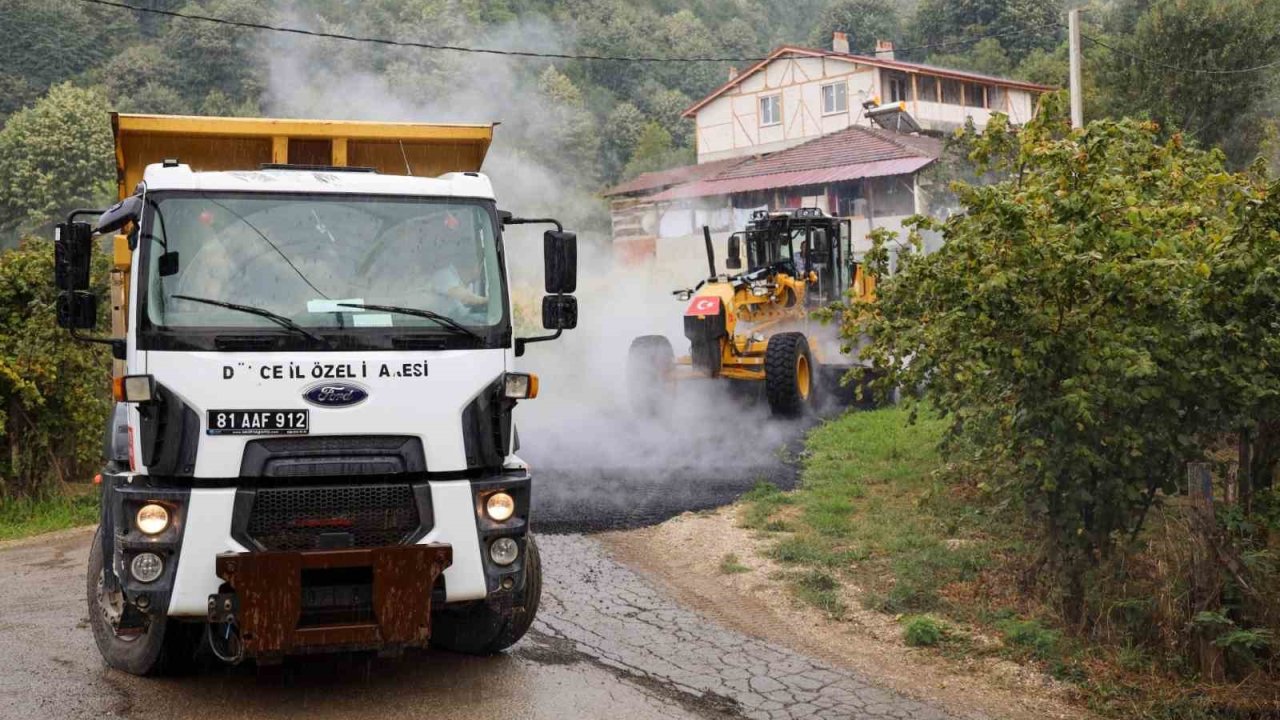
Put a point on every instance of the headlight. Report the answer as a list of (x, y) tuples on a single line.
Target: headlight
[(152, 519), (146, 567), (500, 506), (504, 551)]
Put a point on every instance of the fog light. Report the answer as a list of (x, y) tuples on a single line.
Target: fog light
[(500, 506), (146, 567), (152, 519), (504, 551)]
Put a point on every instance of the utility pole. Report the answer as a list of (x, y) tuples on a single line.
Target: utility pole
[(1077, 92)]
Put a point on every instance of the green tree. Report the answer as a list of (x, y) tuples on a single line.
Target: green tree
[(864, 20), (53, 390), (568, 141), (54, 156), (985, 56), (1225, 110), (1023, 24), (655, 151), (622, 130), (206, 57), (51, 41), (1067, 325)]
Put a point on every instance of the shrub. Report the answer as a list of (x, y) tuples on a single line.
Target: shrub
[(923, 630), (53, 389)]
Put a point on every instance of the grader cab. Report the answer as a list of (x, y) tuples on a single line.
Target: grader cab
[(755, 325)]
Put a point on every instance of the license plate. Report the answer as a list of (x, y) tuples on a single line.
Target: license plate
[(259, 422)]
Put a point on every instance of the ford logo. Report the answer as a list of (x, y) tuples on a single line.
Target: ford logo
[(335, 394)]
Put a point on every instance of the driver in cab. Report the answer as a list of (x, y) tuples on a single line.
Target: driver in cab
[(458, 278)]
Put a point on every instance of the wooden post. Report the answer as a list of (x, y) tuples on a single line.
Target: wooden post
[(1245, 477), (1074, 63), (1205, 585)]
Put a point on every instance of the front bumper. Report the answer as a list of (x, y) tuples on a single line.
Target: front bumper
[(283, 603), (208, 523)]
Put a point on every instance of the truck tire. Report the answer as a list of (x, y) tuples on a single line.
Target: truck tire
[(788, 374), (167, 647), (650, 362), (483, 630)]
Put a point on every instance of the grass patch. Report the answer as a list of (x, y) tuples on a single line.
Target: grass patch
[(869, 505), (730, 565), (21, 518), (762, 501), (923, 630), (821, 590), (1029, 636)]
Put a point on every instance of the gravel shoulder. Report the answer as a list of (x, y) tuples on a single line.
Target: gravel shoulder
[(683, 555)]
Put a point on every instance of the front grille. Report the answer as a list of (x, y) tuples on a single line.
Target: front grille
[(309, 518)]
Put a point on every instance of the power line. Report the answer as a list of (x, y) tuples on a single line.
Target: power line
[(518, 53), (409, 43), (1177, 68)]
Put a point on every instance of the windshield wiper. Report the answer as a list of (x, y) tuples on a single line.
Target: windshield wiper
[(444, 320), (280, 320)]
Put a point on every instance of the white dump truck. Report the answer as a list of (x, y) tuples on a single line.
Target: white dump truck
[(313, 447)]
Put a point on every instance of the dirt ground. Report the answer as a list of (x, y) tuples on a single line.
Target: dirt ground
[(683, 557)]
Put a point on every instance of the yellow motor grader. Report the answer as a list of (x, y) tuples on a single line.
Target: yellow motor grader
[(755, 325)]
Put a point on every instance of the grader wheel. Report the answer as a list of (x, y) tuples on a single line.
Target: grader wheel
[(789, 374), (650, 363)]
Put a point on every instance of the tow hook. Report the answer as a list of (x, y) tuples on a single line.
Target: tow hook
[(222, 631)]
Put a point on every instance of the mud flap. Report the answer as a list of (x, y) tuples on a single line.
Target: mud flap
[(285, 603)]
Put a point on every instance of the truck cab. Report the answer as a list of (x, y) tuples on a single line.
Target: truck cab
[(314, 442)]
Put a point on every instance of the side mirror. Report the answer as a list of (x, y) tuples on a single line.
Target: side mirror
[(118, 215), (77, 310), (72, 248), (559, 312), (560, 255), (734, 260)]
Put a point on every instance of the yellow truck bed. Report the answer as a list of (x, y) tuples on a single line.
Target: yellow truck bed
[(229, 143)]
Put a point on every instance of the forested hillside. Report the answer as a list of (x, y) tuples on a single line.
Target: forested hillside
[(585, 123)]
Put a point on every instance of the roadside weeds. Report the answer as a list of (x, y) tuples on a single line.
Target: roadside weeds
[(77, 506)]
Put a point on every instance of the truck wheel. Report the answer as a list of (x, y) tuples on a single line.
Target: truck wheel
[(166, 647), (482, 629), (649, 381), (788, 374)]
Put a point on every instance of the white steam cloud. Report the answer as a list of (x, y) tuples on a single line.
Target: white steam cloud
[(586, 445)]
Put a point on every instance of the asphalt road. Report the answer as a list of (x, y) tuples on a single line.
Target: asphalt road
[(606, 643)]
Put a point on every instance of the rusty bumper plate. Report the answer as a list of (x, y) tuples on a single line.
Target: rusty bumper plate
[(381, 598)]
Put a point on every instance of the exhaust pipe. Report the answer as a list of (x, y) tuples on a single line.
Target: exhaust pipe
[(711, 253)]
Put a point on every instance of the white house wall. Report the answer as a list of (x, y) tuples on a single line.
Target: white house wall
[(729, 126)]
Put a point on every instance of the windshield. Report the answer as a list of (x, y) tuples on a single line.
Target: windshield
[(314, 260)]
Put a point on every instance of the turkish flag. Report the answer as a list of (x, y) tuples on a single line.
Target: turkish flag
[(704, 305)]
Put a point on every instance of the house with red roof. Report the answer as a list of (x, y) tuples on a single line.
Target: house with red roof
[(846, 133)]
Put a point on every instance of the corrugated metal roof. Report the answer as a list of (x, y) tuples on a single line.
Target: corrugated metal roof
[(672, 176), (794, 178), (851, 146), (853, 153)]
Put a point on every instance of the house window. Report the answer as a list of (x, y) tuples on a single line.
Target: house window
[(928, 88), (997, 99), (771, 110), (951, 92), (975, 95), (897, 87), (835, 98)]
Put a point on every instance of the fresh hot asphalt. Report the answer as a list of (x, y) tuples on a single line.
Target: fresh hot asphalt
[(607, 643)]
